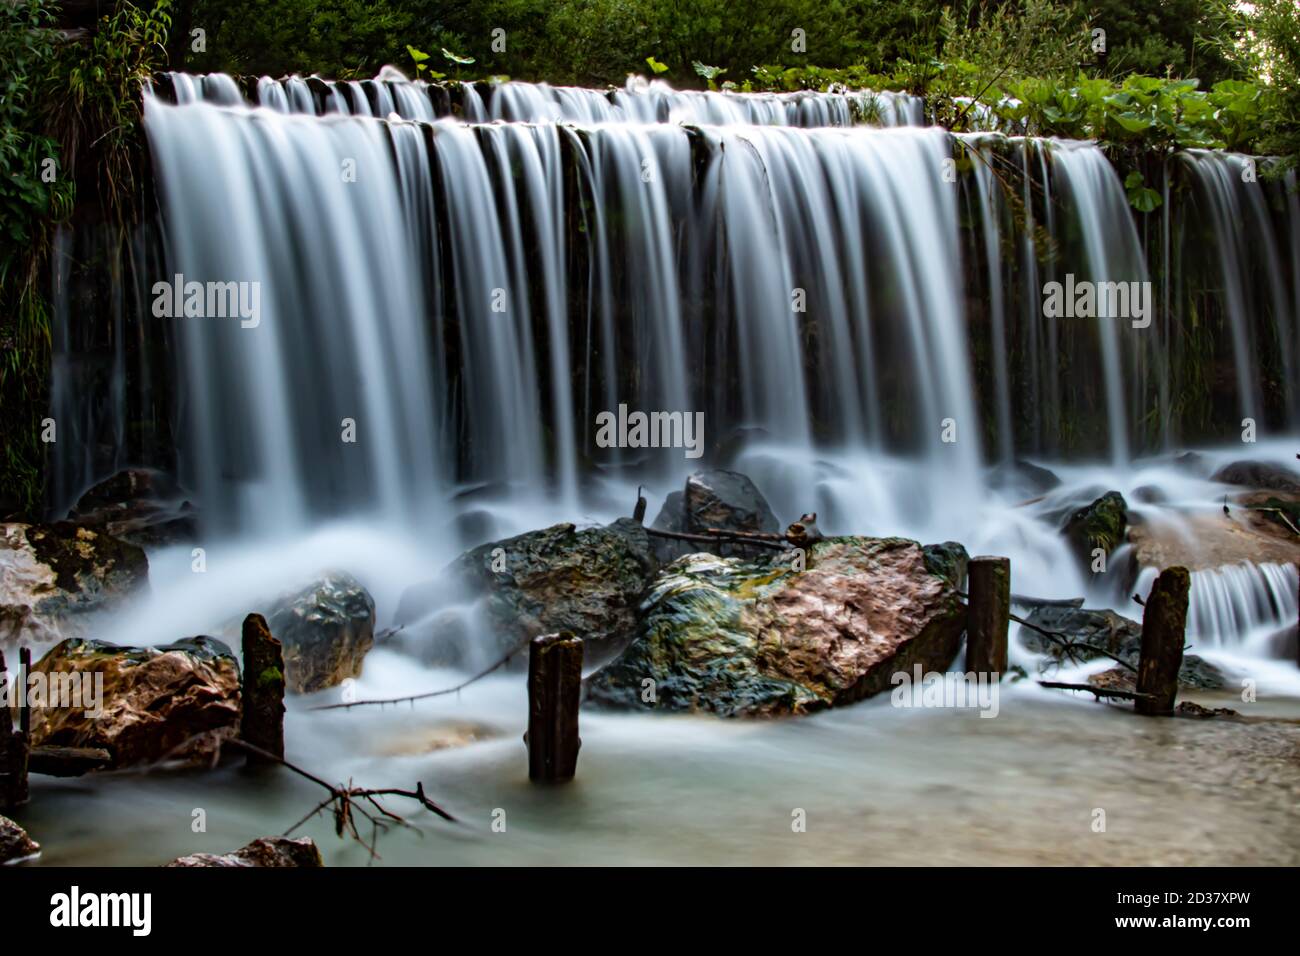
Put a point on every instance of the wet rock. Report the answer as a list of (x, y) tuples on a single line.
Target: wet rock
[(1100, 524), (726, 499), (1116, 634), (715, 498), (15, 845), (1150, 495), (587, 581), (1207, 540), (267, 851), (55, 577), (171, 701), (139, 505), (1260, 475), (758, 638), (1025, 476), (326, 631), (948, 560)]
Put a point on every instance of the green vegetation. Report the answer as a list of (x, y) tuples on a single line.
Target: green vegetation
[(69, 116)]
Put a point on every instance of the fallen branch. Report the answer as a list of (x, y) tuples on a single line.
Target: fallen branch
[(1100, 692), (346, 803), (433, 693), (716, 536), (1068, 644)]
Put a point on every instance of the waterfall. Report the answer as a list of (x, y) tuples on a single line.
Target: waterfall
[(455, 280)]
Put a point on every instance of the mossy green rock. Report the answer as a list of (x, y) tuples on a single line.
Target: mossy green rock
[(1101, 524), (763, 638), (587, 581)]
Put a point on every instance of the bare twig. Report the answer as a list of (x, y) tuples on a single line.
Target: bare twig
[(348, 802), (1100, 692), (433, 693)]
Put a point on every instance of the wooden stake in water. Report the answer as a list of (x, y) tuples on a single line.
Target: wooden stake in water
[(13, 747), (989, 615), (1164, 627), (261, 720), (554, 691)]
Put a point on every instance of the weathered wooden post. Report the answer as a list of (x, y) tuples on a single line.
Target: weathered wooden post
[(554, 688), (24, 673), (1164, 624), (989, 614), (13, 747), (261, 721)]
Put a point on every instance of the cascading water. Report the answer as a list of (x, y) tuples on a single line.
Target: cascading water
[(471, 294)]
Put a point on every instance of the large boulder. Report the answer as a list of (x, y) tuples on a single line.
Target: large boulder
[(54, 578), (326, 630), (1113, 633), (139, 505), (267, 851), (762, 638), (587, 581), (714, 498), (1101, 524), (15, 845), (173, 701), (1259, 474)]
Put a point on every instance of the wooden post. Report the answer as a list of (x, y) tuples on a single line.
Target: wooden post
[(261, 721), (989, 614), (554, 688), (13, 748), (1164, 624), (24, 672)]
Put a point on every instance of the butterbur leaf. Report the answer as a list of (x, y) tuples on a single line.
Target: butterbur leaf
[(462, 60), (416, 55), (656, 65)]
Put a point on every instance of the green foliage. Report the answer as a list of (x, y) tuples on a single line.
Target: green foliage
[(336, 38), (1042, 38), (69, 114), (31, 187), (1166, 37)]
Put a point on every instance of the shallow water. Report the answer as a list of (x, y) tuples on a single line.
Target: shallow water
[(877, 783)]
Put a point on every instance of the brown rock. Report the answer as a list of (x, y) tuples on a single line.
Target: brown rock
[(54, 577), (761, 638), (15, 844), (155, 700), (266, 851), (1206, 541)]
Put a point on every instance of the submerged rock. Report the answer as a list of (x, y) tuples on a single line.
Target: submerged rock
[(55, 577), (139, 505), (267, 851), (171, 701), (15, 845), (1259, 475), (326, 631), (758, 638), (1115, 634), (1100, 524), (587, 581)]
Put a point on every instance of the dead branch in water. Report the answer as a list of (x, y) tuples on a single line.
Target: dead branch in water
[(1067, 643), (1100, 692), (348, 705), (346, 803)]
